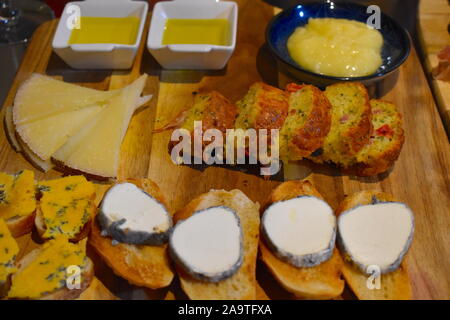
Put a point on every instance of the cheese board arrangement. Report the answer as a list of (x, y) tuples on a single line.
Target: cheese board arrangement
[(119, 163)]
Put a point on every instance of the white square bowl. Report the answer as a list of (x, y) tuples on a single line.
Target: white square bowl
[(191, 56), (99, 55)]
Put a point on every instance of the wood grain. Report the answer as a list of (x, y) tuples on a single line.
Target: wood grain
[(433, 21), (420, 177)]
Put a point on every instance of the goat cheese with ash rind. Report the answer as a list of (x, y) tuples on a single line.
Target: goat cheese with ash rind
[(130, 215), (300, 231), (377, 234), (208, 245)]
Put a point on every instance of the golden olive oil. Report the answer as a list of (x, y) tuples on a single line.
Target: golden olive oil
[(197, 31), (106, 30)]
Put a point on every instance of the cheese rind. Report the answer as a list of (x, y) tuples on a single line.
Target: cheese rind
[(130, 215), (96, 148), (300, 231), (377, 234), (209, 244), (8, 252)]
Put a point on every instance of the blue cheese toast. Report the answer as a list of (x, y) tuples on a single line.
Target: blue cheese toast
[(241, 285), (318, 278), (375, 230), (8, 254), (44, 273), (140, 264), (18, 201), (66, 208)]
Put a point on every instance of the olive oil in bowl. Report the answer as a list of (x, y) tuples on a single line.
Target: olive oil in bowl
[(106, 30), (197, 31)]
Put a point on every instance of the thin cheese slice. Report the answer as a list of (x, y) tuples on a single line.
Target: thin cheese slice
[(47, 135), (96, 148), (41, 96)]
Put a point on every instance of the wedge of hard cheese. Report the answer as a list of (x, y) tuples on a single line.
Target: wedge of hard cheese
[(41, 96), (95, 149)]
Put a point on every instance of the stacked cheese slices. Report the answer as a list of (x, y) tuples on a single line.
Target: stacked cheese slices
[(76, 127)]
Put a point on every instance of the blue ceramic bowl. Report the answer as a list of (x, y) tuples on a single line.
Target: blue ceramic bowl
[(395, 49)]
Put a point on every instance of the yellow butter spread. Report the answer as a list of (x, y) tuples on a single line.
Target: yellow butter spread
[(66, 205), (17, 194), (8, 252), (336, 47), (47, 272)]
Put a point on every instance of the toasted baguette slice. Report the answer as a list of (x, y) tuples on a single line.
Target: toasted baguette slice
[(385, 142), (241, 285), (350, 123), (96, 291), (319, 282), (307, 124), (40, 226), (395, 285), (64, 293), (263, 107), (18, 226), (142, 265), (21, 220)]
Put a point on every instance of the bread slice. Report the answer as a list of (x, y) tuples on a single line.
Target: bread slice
[(96, 291), (385, 143), (212, 108), (40, 225), (319, 282), (63, 293), (307, 124), (241, 285), (141, 265), (263, 107), (19, 207), (351, 125), (395, 285), (66, 194)]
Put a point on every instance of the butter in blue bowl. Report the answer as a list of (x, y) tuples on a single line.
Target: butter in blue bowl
[(323, 66)]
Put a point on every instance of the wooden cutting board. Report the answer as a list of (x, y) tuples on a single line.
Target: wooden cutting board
[(433, 26), (420, 177)]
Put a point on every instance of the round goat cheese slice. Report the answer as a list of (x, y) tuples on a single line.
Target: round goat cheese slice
[(130, 215), (376, 235), (300, 231), (208, 245)]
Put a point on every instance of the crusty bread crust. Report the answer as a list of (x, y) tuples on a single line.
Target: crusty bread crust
[(142, 265), (395, 285), (241, 285), (356, 137), (310, 137), (63, 293), (319, 282), (382, 162), (96, 291), (18, 226)]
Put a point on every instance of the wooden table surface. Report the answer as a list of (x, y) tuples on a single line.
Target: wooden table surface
[(420, 177), (433, 34)]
